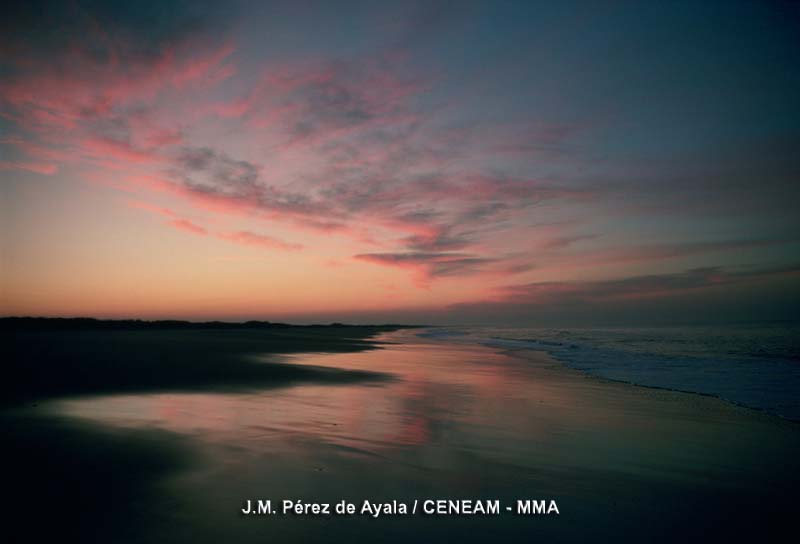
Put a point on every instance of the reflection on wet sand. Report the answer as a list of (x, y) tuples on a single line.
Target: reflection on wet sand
[(456, 421), (440, 393)]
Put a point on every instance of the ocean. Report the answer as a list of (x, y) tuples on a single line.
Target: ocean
[(754, 366)]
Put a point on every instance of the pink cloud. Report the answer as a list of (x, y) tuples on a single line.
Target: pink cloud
[(49, 153), (36, 167), (205, 69), (163, 137), (258, 240), (105, 148), (188, 226), (338, 147), (238, 237), (151, 208)]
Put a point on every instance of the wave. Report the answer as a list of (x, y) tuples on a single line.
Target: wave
[(753, 368)]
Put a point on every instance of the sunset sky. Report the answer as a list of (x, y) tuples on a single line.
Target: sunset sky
[(439, 162)]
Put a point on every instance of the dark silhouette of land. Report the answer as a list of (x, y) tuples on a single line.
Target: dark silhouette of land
[(91, 482), (90, 323), (48, 357)]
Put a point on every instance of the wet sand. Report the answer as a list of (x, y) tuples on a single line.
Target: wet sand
[(445, 421)]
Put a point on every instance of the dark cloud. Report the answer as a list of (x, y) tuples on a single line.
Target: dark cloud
[(430, 265), (227, 182), (441, 241), (652, 285), (561, 242), (483, 212), (711, 294), (90, 71), (104, 31), (218, 171), (329, 105)]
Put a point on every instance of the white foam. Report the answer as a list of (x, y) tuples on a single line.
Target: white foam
[(754, 367)]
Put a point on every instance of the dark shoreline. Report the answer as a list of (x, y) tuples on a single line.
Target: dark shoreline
[(16, 323), (46, 358), (92, 482)]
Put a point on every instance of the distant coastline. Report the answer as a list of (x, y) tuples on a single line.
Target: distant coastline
[(91, 323)]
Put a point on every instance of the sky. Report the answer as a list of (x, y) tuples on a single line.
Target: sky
[(582, 163)]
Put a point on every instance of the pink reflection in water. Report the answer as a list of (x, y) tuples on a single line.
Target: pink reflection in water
[(442, 395)]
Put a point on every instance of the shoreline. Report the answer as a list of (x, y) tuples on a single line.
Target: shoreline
[(455, 421), (517, 354), (590, 353), (47, 363), (540, 356)]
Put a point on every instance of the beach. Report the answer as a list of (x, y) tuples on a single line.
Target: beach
[(406, 271), (385, 416)]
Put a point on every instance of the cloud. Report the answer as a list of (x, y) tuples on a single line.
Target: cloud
[(258, 240), (238, 237), (36, 167), (437, 241), (561, 242), (90, 73), (711, 294), (39, 152), (335, 146), (312, 101), (205, 169), (429, 265), (212, 178), (105, 148), (358, 147), (188, 226), (637, 287), (553, 257)]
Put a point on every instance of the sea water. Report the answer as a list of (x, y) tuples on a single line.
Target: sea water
[(756, 365)]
